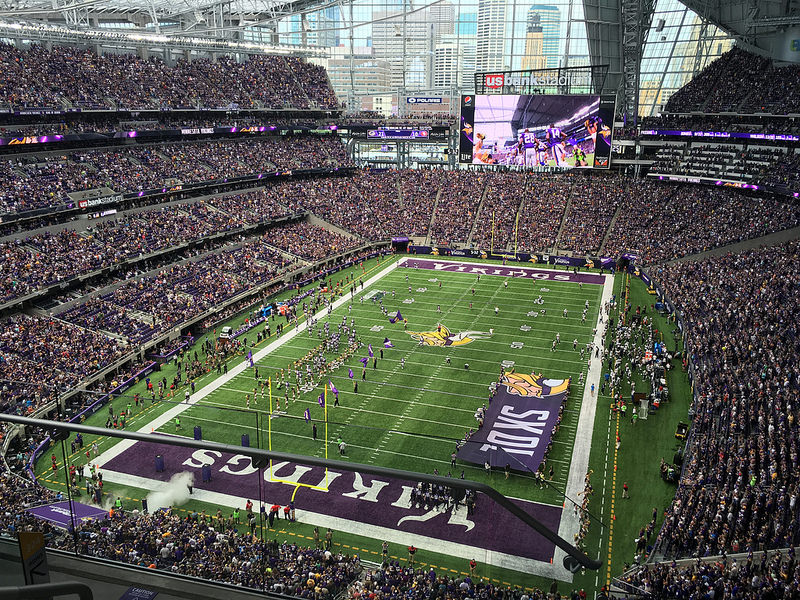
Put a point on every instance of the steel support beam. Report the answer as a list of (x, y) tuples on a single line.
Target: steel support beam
[(637, 15)]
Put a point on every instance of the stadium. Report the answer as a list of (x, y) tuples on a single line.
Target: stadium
[(445, 300)]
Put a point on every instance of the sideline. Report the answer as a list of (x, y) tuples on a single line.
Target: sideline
[(220, 381), (579, 466)]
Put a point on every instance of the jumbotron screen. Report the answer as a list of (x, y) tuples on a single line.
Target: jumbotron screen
[(566, 131)]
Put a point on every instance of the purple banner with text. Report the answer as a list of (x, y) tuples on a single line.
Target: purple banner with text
[(453, 266), (364, 504), (518, 424), (58, 513)]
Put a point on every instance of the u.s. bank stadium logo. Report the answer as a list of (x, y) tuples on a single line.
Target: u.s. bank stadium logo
[(520, 384), (446, 338), (494, 81)]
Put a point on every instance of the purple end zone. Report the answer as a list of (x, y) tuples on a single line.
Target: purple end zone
[(58, 513), (503, 271), (362, 499)]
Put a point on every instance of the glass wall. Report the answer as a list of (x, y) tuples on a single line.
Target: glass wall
[(434, 47), (382, 51), (678, 45)]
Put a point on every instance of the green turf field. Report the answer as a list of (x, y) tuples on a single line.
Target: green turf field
[(410, 415), (412, 408)]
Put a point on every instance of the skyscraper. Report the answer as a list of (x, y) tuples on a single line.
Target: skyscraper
[(443, 16), (534, 43), (447, 59), (549, 19), (491, 34), (407, 44)]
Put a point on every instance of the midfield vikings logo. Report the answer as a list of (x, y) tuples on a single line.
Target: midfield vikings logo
[(445, 338), (521, 384)]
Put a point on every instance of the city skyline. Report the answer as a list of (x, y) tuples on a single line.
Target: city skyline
[(489, 35)]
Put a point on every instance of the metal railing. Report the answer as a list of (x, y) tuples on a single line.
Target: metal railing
[(261, 458), (46, 591)]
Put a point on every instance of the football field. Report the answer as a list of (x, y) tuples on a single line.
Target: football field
[(420, 381)]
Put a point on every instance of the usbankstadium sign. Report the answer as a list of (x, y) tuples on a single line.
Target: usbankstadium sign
[(499, 80), (588, 79)]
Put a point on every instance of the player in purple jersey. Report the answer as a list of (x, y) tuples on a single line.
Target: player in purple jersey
[(540, 151), (555, 140)]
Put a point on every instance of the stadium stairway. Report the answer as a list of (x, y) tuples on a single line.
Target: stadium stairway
[(608, 230), (433, 216), (772, 239), (567, 208), (320, 222), (400, 197), (298, 84), (477, 212)]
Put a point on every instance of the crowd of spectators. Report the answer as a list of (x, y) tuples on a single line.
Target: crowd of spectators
[(418, 190), (458, 204), (32, 182), (42, 356), (64, 77), (784, 173), (741, 477), (740, 81), (660, 221), (657, 221), (748, 163), (47, 258), (772, 575), (75, 343), (367, 204), (714, 89), (250, 207), (593, 203), (215, 548), (310, 241), (542, 210), (496, 220)]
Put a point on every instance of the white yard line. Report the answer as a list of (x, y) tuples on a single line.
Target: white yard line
[(570, 522), (578, 467), (176, 410)]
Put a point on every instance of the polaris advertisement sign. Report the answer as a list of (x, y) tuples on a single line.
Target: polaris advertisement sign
[(418, 100)]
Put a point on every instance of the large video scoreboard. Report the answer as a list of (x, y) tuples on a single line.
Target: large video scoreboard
[(564, 131)]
